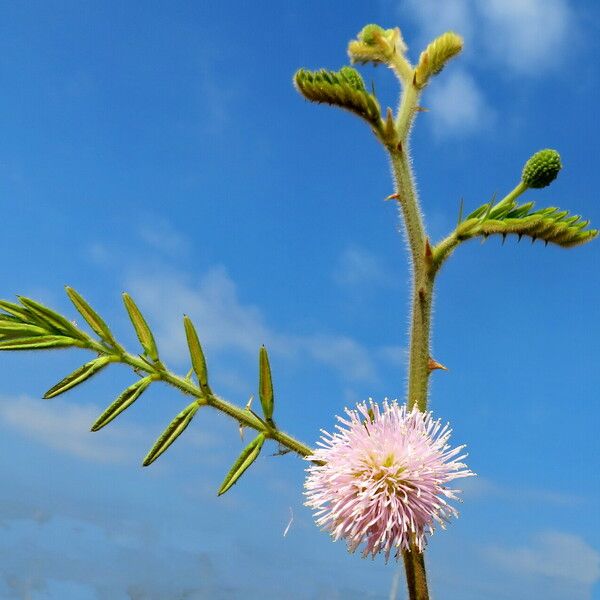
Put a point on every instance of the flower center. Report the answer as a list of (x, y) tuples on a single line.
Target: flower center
[(383, 475)]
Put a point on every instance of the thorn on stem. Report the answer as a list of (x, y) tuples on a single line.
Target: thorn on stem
[(399, 147), (428, 251), (422, 294), (503, 238), (434, 364), (421, 109), (395, 196)]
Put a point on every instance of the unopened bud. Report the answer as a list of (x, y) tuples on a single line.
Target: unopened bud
[(541, 169), (376, 44)]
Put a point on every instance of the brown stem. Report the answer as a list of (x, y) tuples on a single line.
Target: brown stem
[(416, 578)]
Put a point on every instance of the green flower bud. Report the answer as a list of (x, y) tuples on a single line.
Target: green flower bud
[(541, 169), (377, 45), (369, 33)]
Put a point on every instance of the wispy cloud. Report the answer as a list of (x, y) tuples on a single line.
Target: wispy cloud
[(560, 556), (530, 37), (226, 323), (65, 427), (162, 236), (527, 37), (518, 38), (358, 267), (458, 106)]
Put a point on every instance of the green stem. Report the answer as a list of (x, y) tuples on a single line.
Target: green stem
[(422, 284), (444, 249), (243, 416), (422, 298)]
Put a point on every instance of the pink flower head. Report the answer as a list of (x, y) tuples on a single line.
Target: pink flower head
[(380, 478)]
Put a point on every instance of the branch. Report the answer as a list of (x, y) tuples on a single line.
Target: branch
[(29, 325)]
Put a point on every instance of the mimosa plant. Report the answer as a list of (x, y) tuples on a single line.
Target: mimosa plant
[(379, 480)]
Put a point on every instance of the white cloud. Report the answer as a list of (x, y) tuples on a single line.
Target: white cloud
[(528, 36), (162, 236), (225, 323), (395, 355), (434, 18), (522, 38), (457, 105), (359, 267), (222, 320), (342, 353), (556, 555), (66, 427)]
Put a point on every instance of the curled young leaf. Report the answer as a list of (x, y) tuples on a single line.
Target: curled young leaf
[(549, 224), (344, 88), (435, 56), (78, 376)]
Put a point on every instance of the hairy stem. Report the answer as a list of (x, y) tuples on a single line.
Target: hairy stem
[(422, 297), (444, 249), (243, 416), (414, 565), (422, 283)]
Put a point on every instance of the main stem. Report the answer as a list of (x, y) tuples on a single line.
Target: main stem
[(422, 292)]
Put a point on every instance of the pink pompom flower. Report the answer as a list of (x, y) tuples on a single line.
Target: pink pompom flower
[(380, 478)]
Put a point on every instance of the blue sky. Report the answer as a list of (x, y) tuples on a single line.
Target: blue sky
[(160, 148)]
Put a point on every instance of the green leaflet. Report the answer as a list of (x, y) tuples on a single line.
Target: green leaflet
[(92, 318), (141, 328), (19, 312), (344, 88), (41, 342), (175, 428), (125, 400), (78, 376), (549, 224), (51, 318), (245, 459), (196, 355), (14, 328), (265, 385)]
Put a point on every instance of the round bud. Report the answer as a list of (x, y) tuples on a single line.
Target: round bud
[(541, 169), (369, 34)]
